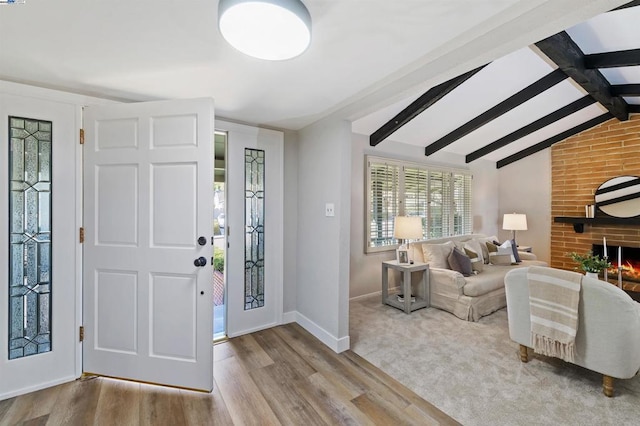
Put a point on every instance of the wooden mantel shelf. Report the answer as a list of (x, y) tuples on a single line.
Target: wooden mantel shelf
[(579, 222)]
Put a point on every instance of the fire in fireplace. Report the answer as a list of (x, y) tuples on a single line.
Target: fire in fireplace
[(630, 261)]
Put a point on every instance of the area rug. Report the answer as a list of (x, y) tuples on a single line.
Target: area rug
[(472, 371)]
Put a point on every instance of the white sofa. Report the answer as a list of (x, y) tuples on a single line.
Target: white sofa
[(608, 335), (469, 298)]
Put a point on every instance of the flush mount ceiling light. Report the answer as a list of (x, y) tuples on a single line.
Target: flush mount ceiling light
[(266, 29)]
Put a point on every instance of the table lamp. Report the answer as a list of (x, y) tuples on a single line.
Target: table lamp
[(514, 222), (407, 228)]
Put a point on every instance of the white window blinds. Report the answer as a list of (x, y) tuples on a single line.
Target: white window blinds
[(396, 188)]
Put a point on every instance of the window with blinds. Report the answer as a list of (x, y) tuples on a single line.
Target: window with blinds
[(397, 188)]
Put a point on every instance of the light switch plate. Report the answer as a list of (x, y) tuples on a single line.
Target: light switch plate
[(330, 210)]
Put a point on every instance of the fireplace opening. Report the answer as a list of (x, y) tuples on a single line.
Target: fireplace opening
[(630, 261)]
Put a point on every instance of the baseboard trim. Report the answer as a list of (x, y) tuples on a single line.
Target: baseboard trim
[(289, 317), (37, 387), (336, 344), (365, 296)]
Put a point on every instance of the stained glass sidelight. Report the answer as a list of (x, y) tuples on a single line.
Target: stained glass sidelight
[(30, 240), (254, 229)]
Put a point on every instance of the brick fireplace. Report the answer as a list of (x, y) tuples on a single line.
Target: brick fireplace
[(579, 165)]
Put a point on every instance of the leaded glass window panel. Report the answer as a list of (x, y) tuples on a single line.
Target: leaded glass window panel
[(254, 229), (30, 237)]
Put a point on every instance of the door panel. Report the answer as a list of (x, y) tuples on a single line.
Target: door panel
[(240, 236), (148, 198), (61, 363)]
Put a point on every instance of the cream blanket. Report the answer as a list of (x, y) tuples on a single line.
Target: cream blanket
[(554, 296)]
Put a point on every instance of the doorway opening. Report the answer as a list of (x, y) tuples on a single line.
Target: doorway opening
[(219, 236)]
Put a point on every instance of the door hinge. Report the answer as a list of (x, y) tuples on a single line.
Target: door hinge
[(81, 235), (82, 333), (81, 136)]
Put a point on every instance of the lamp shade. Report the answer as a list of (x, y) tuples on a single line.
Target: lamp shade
[(514, 222), (265, 29), (407, 227)]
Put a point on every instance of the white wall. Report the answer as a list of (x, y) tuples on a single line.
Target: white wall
[(365, 273), (324, 176), (525, 187)]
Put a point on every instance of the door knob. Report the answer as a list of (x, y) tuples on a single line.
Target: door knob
[(201, 261), (202, 241)]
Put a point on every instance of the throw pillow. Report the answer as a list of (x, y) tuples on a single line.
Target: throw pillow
[(491, 247), (436, 254), (483, 246), (474, 246), (459, 261), (500, 259), (507, 248), (477, 265), (516, 255)]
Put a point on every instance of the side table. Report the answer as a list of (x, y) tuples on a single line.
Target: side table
[(421, 300)]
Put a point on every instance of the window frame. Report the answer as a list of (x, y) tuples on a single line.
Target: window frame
[(449, 224)]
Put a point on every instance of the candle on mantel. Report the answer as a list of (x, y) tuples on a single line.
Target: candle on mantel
[(604, 243), (619, 256)]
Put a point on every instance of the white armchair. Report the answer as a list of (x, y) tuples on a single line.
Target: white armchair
[(608, 336)]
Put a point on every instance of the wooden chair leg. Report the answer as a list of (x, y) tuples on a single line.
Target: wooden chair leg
[(607, 385), (524, 354)]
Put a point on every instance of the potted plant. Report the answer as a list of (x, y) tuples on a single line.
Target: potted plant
[(591, 264)]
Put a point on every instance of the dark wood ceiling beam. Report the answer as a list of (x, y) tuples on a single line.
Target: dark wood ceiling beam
[(625, 90), (507, 105), (429, 98), (626, 5), (621, 58), (568, 56), (557, 138), (532, 127)]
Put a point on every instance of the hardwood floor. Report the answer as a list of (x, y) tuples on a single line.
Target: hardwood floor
[(278, 376)]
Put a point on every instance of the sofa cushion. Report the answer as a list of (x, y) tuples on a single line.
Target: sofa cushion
[(497, 258), (436, 254), (460, 262), (492, 278)]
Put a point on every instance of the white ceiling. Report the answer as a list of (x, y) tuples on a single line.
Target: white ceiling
[(365, 54)]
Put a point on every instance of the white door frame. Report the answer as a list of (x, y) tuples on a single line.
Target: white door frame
[(14, 101), (242, 322)]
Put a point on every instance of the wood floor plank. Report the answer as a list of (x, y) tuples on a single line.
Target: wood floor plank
[(118, 403), (160, 406), (205, 409), (5, 405), (36, 421), (249, 352), (279, 385), (244, 400), (76, 403), (378, 410), (332, 402), (279, 351)]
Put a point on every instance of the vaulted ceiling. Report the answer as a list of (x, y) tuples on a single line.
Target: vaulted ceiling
[(527, 100), (365, 54)]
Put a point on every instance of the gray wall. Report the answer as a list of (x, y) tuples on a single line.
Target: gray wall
[(525, 187), (324, 175), (290, 220), (365, 274)]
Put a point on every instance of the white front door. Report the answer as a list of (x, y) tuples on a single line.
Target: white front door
[(39, 248), (148, 303), (254, 270)]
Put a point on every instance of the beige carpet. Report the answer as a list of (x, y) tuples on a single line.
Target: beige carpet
[(473, 373)]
